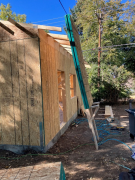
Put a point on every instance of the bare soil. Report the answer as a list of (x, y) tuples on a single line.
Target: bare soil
[(84, 162)]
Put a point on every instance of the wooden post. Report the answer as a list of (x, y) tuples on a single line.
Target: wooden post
[(99, 45), (93, 120), (99, 48), (91, 127)]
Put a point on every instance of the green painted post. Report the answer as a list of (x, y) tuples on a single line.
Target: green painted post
[(62, 173)]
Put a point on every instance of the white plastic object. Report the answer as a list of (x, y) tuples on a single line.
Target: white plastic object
[(133, 151)]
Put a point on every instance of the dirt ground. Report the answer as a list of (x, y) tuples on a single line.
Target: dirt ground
[(84, 162)]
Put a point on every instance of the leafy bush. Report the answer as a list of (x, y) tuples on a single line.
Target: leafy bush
[(112, 82)]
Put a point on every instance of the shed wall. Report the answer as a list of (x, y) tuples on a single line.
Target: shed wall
[(53, 58), (20, 89)]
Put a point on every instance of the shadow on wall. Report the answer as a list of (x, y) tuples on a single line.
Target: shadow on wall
[(20, 92)]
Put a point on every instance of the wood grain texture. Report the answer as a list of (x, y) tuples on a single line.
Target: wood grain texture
[(63, 42), (20, 87), (65, 64), (51, 28), (59, 36), (54, 59), (49, 86)]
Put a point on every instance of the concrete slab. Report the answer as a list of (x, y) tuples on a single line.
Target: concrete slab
[(49, 171)]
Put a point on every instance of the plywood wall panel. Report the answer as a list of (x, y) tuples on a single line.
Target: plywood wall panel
[(20, 88), (65, 63), (50, 88), (54, 80), (45, 86), (23, 93), (16, 93), (45, 83), (6, 98), (33, 89)]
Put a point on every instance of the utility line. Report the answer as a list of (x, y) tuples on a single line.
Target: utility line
[(48, 19), (63, 6), (111, 46), (56, 22), (93, 52)]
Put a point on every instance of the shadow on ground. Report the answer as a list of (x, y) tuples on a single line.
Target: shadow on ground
[(84, 162)]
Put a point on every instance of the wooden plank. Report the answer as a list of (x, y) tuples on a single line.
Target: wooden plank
[(45, 82), (63, 42), (67, 46), (69, 51), (59, 36), (21, 27), (6, 28), (93, 120), (91, 127), (28, 25), (50, 86), (108, 112), (51, 83), (50, 28), (96, 103)]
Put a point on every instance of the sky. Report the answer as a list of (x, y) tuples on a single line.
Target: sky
[(49, 12), (40, 10)]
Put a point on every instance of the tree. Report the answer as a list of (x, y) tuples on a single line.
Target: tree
[(5, 12), (113, 83), (118, 22), (117, 27)]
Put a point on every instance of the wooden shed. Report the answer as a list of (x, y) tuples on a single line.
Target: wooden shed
[(39, 91)]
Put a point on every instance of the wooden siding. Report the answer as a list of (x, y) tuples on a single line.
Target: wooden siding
[(55, 58)]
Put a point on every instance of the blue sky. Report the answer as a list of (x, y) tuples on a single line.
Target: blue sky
[(39, 10)]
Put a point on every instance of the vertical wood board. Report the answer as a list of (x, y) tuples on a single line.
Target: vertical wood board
[(49, 86)]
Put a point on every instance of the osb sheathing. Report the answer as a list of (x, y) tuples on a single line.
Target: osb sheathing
[(53, 58), (20, 88)]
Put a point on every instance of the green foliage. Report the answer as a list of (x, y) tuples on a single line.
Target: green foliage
[(5, 12), (112, 82), (118, 21), (47, 31)]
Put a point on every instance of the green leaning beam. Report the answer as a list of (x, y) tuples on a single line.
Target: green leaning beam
[(76, 61), (62, 173)]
